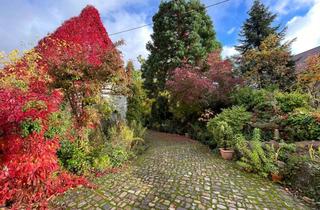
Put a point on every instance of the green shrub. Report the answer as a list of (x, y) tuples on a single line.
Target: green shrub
[(301, 125), (138, 129), (101, 162), (267, 109), (254, 157), (105, 109), (303, 175), (74, 156), (123, 136), (59, 123), (118, 156), (288, 102), (79, 157), (248, 97), (281, 151), (222, 134), (236, 117), (200, 132), (29, 126)]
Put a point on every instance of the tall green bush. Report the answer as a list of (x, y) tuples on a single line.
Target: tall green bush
[(139, 106), (118, 156), (236, 117)]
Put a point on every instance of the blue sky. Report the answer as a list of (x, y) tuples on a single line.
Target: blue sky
[(24, 22)]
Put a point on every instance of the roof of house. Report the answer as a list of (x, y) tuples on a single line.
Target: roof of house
[(301, 58)]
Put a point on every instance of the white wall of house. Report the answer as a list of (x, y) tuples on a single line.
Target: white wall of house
[(119, 102)]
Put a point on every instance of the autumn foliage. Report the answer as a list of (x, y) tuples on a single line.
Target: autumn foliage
[(30, 171), (31, 91), (80, 58), (190, 85), (310, 78), (85, 33)]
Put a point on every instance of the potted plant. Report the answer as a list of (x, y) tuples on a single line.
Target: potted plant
[(275, 154), (226, 154), (223, 135), (275, 174)]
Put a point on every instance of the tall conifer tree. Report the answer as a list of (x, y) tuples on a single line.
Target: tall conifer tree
[(182, 30), (257, 27), (262, 51)]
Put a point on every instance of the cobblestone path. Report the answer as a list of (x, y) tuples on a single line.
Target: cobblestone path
[(177, 173)]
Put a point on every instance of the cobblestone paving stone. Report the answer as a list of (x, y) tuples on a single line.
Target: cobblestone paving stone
[(177, 173)]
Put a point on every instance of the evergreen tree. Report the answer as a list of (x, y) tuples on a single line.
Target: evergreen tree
[(138, 104), (270, 64), (257, 27), (182, 32), (260, 44)]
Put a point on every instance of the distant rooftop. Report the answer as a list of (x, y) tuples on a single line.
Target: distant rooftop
[(301, 58)]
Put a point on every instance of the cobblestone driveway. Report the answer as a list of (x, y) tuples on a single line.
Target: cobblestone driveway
[(177, 173)]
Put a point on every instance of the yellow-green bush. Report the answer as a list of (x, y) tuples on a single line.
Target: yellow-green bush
[(288, 102)]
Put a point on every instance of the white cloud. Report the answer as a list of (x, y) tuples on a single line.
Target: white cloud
[(135, 40), (305, 29), (284, 7), (231, 30), (228, 51)]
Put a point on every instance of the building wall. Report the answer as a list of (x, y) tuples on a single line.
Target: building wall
[(119, 102)]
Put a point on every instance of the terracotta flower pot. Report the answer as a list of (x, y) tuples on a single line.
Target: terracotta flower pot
[(226, 154), (276, 177)]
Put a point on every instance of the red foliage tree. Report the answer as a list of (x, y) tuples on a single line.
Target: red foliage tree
[(81, 59), (194, 85), (85, 33), (220, 73), (29, 169), (189, 85)]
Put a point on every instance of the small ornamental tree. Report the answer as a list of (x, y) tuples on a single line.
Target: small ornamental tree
[(81, 59), (310, 78), (189, 85), (194, 88), (270, 64), (138, 104), (189, 89), (182, 30), (221, 72)]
